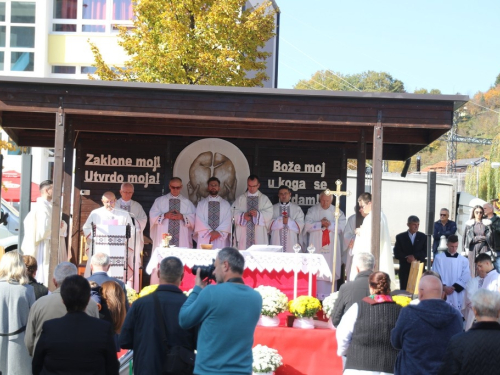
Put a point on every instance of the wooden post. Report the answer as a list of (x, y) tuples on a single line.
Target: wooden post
[(67, 185), (378, 142), (57, 193), (25, 194), (361, 172)]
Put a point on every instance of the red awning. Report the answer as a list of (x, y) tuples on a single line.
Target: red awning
[(12, 181)]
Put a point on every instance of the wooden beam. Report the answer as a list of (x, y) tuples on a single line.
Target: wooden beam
[(360, 174), (56, 194), (67, 186), (378, 142)]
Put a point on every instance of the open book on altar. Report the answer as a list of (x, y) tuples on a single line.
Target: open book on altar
[(268, 248), (112, 240)]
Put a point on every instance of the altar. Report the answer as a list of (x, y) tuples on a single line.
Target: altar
[(261, 268)]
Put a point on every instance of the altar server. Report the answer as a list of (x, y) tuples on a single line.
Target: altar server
[(288, 221), (37, 232), (173, 214), (454, 271), (253, 212), (106, 215), (140, 220), (320, 225), (213, 218)]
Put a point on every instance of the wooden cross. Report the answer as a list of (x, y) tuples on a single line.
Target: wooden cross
[(337, 194)]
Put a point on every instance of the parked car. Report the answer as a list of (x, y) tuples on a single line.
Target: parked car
[(9, 227)]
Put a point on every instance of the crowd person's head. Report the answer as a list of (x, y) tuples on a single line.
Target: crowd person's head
[(99, 262), (12, 268), (175, 186), (364, 262), (213, 186), (46, 189), (75, 293), (484, 264), (31, 265), (486, 305), (430, 287), (62, 271), (477, 213), (452, 244), (488, 210), (171, 271), (253, 184), (380, 283), (365, 203), (109, 200), (325, 200), (444, 214), (284, 194), (114, 296), (127, 191), (413, 224), (228, 264)]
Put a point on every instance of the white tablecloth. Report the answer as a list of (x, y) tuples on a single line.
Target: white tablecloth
[(254, 260)]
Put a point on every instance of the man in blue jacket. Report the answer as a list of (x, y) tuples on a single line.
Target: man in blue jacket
[(228, 313), (423, 331)]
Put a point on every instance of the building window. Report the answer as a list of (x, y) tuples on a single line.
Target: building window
[(22, 12), (63, 69), (22, 61), (88, 69), (91, 16), (1, 60), (2, 12), (21, 36)]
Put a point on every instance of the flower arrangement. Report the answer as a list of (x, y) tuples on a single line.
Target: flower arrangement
[(304, 306), (273, 300), (166, 237), (131, 294), (329, 303), (402, 300), (265, 359), (148, 290)]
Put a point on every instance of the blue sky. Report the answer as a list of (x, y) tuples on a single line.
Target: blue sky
[(453, 46)]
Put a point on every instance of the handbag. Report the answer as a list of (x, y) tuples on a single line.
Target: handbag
[(178, 360)]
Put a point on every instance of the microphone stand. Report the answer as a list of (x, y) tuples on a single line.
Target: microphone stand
[(233, 229), (92, 245), (127, 235)]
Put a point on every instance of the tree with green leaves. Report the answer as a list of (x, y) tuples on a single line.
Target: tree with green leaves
[(425, 91), (202, 42), (367, 81)]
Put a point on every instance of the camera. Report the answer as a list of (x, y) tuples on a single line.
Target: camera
[(206, 272)]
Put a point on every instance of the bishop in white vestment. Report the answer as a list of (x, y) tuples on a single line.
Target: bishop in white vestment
[(173, 214), (454, 271), (320, 226), (253, 212), (348, 237), (213, 218), (288, 221), (107, 215), (140, 220)]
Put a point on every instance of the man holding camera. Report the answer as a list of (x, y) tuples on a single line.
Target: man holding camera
[(227, 313)]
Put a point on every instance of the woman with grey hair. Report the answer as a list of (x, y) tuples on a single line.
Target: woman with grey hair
[(16, 298), (476, 351)]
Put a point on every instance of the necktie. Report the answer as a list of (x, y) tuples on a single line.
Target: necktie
[(174, 225), (213, 214), (252, 204), (284, 231)]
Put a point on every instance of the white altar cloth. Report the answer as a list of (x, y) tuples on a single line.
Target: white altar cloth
[(254, 260)]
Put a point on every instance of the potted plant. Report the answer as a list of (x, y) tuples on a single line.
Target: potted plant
[(265, 360), (274, 302), (304, 308), (328, 304)]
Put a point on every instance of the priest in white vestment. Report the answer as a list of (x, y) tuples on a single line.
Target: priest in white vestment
[(348, 243), (363, 241), (320, 226), (213, 218), (107, 215), (37, 233), (454, 271), (288, 221), (253, 212), (173, 214), (487, 278), (140, 220)]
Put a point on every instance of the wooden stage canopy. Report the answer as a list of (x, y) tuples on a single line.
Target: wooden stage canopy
[(42, 112)]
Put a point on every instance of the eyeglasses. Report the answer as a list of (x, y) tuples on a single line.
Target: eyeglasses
[(478, 212), (175, 187), (444, 214)]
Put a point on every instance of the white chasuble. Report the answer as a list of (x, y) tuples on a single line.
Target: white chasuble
[(259, 225), (490, 282), (213, 214), (290, 234)]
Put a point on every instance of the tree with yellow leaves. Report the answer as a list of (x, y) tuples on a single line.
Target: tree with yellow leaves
[(202, 42)]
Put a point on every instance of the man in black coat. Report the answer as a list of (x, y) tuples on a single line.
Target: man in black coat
[(141, 331), (76, 344), (355, 290), (476, 351), (410, 245)]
